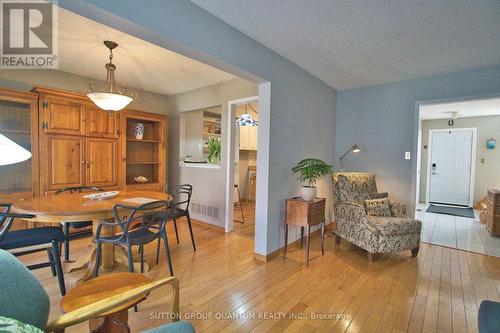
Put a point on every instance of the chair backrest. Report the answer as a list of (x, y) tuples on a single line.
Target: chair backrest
[(5, 222), (78, 189), (181, 195), (22, 297), (353, 187), (7, 218), (152, 214)]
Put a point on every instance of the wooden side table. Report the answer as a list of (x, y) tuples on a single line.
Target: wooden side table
[(305, 214), (91, 291)]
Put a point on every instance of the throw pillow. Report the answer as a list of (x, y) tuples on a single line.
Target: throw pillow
[(379, 195), (378, 207), (397, 209)]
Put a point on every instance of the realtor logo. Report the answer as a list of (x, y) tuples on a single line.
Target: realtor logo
[(29, 34)]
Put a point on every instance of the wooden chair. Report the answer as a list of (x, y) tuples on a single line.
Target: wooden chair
[(26, 241), (29, 303), (149, 222), (181, 195), (76, 224)]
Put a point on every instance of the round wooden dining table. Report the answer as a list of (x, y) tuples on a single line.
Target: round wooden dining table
[(73, 207)]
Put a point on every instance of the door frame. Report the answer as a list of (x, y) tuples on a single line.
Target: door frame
[(473, 160), (231, 111)]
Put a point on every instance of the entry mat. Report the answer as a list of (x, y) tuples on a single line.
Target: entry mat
[(456, 211)]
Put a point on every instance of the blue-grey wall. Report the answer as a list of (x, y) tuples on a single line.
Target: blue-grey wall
[(302, 108), (382, 120)]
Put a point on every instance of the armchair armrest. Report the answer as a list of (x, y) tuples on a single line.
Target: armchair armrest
[(98, 308)]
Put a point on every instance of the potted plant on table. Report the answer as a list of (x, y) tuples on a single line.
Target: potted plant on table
[(310, 170)]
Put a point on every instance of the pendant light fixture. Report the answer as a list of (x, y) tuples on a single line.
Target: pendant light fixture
[(246, 119), (111, 98), (11, 152)]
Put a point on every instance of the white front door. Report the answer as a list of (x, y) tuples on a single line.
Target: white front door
[(450, 166)]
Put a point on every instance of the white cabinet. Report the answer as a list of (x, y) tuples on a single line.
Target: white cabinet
[(248, 137)]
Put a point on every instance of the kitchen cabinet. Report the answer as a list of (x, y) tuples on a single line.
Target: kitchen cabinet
[(248, 137)]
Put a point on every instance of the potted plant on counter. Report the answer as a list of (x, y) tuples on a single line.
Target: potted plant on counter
[(214, 148), (310, 170)]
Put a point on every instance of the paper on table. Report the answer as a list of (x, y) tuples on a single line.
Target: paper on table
[(139, 200)]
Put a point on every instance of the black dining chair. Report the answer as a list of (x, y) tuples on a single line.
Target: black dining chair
[(26, 241), (149, 222), (181, 199), (77, 224)]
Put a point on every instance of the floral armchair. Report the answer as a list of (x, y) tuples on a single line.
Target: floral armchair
[(374, 234)]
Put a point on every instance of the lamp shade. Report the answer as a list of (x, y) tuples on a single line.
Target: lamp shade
[(246, 120), (109, 101), (11, 152)]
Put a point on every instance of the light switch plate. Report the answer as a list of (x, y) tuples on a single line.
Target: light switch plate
[(407, 155)]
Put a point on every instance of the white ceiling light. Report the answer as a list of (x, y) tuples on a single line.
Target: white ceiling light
[(111, 98), (11, 152)]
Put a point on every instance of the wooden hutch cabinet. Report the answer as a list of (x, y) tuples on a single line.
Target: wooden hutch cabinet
[(19, 122), (78, 142), (74, 143), (142, 157)]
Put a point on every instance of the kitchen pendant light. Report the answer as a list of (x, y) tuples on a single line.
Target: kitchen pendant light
[(111, 98), (11, 152), (246, 119)]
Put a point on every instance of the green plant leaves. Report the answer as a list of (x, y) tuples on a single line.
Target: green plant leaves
[(310, 170), (214, 149)]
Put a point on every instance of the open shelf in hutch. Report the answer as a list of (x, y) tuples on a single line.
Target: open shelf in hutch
[(146, 156)]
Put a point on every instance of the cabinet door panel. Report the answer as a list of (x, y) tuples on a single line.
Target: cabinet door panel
[(64, 116), (102, 123), (64, 161), (252, 137), (244, 137), (101, 162)]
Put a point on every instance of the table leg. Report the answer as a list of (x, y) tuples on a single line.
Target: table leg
[(301, 236), (323, 238), (108, 250), (308, 236), (121, 257), (286, 240)]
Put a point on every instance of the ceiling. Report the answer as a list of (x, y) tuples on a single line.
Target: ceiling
[(474, 108), (350, 44), (139, 64)]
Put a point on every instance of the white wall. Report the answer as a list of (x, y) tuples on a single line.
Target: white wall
[(487, 174), (301, 120)]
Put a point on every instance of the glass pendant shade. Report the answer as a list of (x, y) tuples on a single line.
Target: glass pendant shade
[(109, 101), (111, 98), (246, 120), (11, 152)]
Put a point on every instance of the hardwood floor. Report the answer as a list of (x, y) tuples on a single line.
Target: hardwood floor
[(246, 229), (440, 290)]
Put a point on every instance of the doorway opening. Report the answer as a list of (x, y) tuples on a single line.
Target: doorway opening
[(455, 163), (242, 175)]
